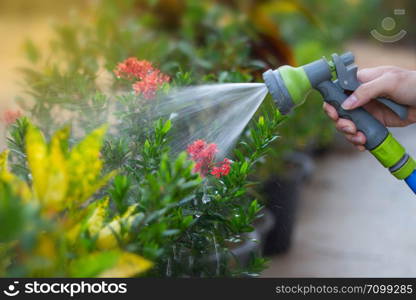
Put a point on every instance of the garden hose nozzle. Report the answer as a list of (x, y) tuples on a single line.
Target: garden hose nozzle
[(336, 79)]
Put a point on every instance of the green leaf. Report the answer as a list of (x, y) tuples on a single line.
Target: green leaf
[(109, 264), (261, 121), (31, 51), (244, 167), (93, 264), (170, 232), (166, 127), (12, 213)]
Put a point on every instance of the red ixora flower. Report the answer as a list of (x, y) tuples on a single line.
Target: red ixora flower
[(203, 154), (223, 168), (10, 116), (150, 83), (147, 78)]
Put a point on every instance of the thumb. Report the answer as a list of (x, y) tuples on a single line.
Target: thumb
[(382, 85)]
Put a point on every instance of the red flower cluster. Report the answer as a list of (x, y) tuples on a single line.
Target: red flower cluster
[(148, 79), (203, 154), (223, 168), (149, 84), (10, 116), (133, 69)]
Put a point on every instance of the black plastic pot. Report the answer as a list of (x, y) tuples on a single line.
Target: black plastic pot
[(282, 197), (243, 253), (316, 150), (264, 225), (338, 143)]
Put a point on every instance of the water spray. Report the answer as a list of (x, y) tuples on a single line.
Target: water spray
[(336, 79)]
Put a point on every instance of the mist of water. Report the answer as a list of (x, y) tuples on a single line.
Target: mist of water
[(216, 113)]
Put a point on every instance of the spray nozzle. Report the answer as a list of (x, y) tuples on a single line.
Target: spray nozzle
[(289, 85)]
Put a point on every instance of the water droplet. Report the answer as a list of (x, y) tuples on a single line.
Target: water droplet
[(168, 269), (205, 198), (217, 256), (191, 261)]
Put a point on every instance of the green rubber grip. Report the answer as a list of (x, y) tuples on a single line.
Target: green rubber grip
[(389, 152)]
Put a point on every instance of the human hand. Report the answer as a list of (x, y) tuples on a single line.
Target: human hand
[(384, 81)]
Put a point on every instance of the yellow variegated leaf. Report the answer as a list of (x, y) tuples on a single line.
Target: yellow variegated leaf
[(73, 233), (37, 157), (48, 167), (64, 178), (96, 222), (100, 182), (110, 234), (80, 221), (57, 175), (127, 265), (3, 160), (130, 210), (85, 166), (111, 263), (61, 138)]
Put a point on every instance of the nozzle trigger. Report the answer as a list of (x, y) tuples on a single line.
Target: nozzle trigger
[(399, 109)]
